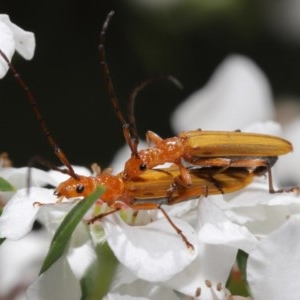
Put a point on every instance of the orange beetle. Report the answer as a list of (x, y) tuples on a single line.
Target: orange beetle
[(226, 149)]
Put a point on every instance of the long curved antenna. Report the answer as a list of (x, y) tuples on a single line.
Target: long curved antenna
[(132, 98), (58, 152), (111, 91)]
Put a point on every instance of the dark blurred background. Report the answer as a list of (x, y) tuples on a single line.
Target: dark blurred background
[(187, 39)]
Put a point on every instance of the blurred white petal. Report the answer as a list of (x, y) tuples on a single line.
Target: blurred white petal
[(260, 211), (18, 177), (20, 261), (228, 233), (58, 282), (125, 284), (19, 214), (237, 95), (7, 45), (268, 127), (13, 38), (287, 170), (273, 267)]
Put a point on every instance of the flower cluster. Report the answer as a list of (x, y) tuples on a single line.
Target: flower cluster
[(153, 262)]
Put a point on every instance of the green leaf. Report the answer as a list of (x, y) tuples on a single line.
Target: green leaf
[(2, 240), (237, 283), (96, 282), (5, 186), (63, 234), (242, 258)]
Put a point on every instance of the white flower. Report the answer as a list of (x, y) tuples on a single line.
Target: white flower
[(237, 95), (18, 178), (252, 219), (286, 166), (21, 212), (16, 222), (234, 221), (62, 279), (274, 265), (219, 241), (154, 259), (12, 38), (146, 251), (134, 246), (20, 261), (59, 282)]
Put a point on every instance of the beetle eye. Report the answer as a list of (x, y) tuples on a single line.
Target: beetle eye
[(79, 188), (143, 167)]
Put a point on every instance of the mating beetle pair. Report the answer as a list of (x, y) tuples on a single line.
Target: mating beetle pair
[(222, 161)]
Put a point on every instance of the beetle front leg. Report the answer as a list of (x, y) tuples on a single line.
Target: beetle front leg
[(152, 205)]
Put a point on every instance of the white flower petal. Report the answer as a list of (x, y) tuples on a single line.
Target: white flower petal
[(114, 296), (19, 214), (58, 282), (286, 170), (214, 264), (229, 101), (75, 255), (153, 252), (122, 287), (51, 216), (24, 40), (7, 45), (218, 229), (260, 211), (180, 209), (268, 127), (18, 177), (123, 277), (258, 194), (215, 258), (228, 233), (20, 261), (273, 267), (209, 212)]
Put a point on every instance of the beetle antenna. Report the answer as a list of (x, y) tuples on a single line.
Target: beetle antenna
[(58, 152), (131, 142), (133, 96)]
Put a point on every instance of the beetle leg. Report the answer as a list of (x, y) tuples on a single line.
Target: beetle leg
[(96, 169), (100, 216), (177, 229), (153, 205), (183, 181), (185, 177), (171, 190), (271, 188), (152, 138)]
